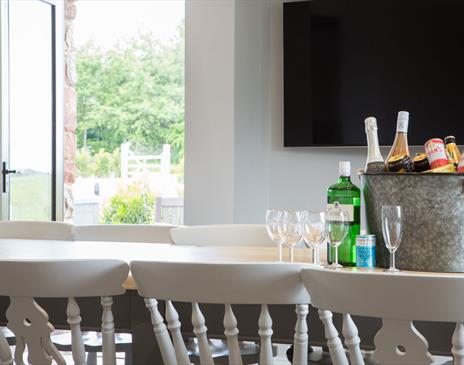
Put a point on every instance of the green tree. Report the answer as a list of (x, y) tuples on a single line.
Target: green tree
[(133, 92)]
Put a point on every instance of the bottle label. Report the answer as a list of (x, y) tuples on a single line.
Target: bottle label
[(436, 153), (365, 256), (332, 209)]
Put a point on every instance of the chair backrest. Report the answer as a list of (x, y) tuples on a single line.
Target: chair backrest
[(22, 280), (222, 235), (225, 283), (36, 230), (149, 233), (62, 278), (398, 299), (169, 210)]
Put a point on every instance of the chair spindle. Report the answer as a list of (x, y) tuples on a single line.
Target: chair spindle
[(265, 333), (352, 340), (172, 318), (300, 352), (108, 344), (74, 320), (458, 344), (161, 332), (199, 329), (231, 332), (337, 353)]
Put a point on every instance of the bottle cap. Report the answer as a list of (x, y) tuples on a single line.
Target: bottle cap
[(344, 168), (420, 162), (450, 139), (400, 163), (371, 124), (402, 123)]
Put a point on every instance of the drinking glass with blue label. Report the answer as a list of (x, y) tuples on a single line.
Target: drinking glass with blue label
[(337, 229)]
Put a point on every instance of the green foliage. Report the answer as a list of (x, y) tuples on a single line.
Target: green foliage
[(102, 164), (132, 93), (84, 163), (30, 196), (107, 164), (134, 206)]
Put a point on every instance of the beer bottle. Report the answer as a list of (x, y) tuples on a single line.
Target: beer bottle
[(454, 156)]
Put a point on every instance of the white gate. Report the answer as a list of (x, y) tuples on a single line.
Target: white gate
[(136, 166)]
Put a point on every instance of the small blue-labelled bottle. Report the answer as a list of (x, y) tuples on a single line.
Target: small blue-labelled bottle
[(365, 251)]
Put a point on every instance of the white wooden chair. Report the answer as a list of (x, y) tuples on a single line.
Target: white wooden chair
[(224, 283), (148, 233), (36, 230), (398, 299), (33, 230), (222, 235), (22, 281)]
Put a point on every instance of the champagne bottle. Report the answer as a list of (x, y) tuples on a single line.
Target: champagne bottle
[(374, 161), (400, 145), (348, 197)]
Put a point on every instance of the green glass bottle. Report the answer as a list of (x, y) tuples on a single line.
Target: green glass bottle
[(348, 197)]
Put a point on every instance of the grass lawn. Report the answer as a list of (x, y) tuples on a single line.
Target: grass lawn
[(30, 196)]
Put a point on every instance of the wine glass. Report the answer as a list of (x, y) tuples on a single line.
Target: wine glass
[(273, 217), (337, 229), (391, 229), (314, 232), (290, 228)]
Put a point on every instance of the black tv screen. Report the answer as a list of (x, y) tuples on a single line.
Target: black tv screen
[(345, 60)]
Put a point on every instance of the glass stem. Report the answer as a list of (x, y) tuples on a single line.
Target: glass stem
[(315, 254), (291, 253), (280, 252), (392, 260), (336, 255)]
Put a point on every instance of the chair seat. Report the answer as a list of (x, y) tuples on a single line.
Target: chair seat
[(321, 357), (248, 349), (92, 341)]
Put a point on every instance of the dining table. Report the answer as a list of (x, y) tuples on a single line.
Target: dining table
[(131, 315)]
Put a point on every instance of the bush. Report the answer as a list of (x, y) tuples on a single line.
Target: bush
[(107, 164), (134, 206), (101, 164), (84, 163)]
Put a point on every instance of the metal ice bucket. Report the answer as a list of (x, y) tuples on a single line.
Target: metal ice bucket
[(433, 221)]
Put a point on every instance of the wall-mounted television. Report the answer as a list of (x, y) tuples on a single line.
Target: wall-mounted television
[(345, 60)]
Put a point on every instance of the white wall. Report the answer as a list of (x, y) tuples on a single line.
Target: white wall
[(209, 109), (236, 166)]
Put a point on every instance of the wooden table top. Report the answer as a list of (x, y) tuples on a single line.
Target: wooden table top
[(19, 249)]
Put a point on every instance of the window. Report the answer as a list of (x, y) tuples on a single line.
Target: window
[(128, 151)]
